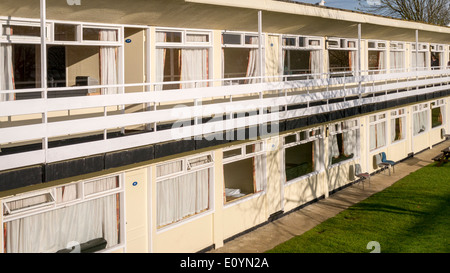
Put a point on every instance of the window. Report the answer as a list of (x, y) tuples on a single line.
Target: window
[(397, 57), (437, 113), (437, 54), (343, 141), (377, 56), (182, 57), (183, 189), (65, 32), (240, 57), (377, 131), (302, 156), (97, 34), (303, 57), (243, 171), (342, 56), (420, 119), (398, 125), (419, 57), (47, 221)]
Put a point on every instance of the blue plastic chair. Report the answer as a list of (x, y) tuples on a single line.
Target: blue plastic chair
[(385, 160)]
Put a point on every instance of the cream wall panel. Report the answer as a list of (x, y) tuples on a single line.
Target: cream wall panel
[(272, 59), (135, 59), (274, 175), (217, 56), (421, 142), (341, 174), (303, 191), (188, 237), (435, 135), (218, 198), (243, 215), (136, 211), (397, 150)]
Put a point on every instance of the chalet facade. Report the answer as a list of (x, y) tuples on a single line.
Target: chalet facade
[(173, 126)]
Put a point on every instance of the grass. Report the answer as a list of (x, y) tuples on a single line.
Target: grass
[(411, 216)]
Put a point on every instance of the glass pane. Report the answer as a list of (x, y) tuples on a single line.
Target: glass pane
[(195, 162), (101, 185), (290, 139), (314, 42), (436, 117), (22, 31), (253, 148), (298, 161), (29, 202), (231, 153), (65, 32), (251, 40), (66, 193), (289, 41), (197, 38), (303, 135), (231, 39), (96, 34), (169, 168), (332, 43), (301, 42)]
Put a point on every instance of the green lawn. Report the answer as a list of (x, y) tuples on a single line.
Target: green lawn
[(411, 216)]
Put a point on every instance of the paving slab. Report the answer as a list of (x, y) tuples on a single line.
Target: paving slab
[(297, 222)]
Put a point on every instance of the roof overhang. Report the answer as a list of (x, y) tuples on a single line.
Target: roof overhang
[(278, 17)]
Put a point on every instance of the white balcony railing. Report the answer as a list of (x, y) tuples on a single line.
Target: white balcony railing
[(268, 100)]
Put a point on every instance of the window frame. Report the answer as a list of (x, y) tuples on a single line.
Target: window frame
[(184, 43), (423, 48), (243, 36), (4, 38), (317, 136), (243, 156), (120, 190), (339, 42), (440, 103), (394, 115), (378, 120), (423, 107), (208, 166), (342, 128), (394, 46), (307, 45), (384, 49)]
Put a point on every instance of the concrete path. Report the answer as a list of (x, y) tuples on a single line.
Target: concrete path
[(300, 221)]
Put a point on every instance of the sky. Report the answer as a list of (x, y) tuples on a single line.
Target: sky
[(342, 4)]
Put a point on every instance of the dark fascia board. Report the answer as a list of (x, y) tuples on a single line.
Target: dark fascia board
[(140, 156)]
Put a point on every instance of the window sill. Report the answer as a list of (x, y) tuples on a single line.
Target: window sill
[(303, 177), (243, 199), (183, 221), (398, 141), (343, 162)]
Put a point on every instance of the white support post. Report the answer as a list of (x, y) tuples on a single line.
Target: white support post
[(417, 49), (43, 15), (261, 59), (359, 61)]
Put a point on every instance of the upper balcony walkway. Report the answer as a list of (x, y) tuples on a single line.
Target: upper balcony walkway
[(55, 128)]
